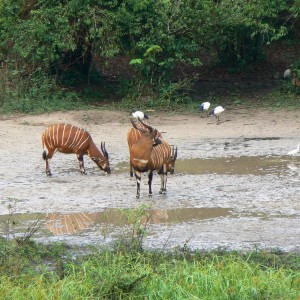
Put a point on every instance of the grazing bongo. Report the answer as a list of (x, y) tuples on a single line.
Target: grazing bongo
[(144, 157), (67, 138)]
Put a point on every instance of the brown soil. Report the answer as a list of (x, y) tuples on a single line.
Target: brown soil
[(233, 123)]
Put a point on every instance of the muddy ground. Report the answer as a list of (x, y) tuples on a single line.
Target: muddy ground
[(234, 185)]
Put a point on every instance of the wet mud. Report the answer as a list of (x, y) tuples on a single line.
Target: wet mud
[(235, 193)]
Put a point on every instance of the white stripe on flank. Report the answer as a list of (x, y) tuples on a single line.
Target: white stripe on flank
[(53, 137), (69, 135), (63, 135), (74, 138), (160, 155), (144, 161), (57, 134), (46, 139), (49, 137), (83, 142), (79, 140)]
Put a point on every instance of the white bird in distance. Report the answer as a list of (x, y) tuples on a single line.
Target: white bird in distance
[(204, 107), (139, 114), (216, 112), (295, 151)]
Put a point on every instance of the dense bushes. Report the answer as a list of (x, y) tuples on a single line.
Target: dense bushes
[(71, 41)]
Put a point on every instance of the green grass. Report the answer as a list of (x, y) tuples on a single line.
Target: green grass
[(36, 95), (36, 271)]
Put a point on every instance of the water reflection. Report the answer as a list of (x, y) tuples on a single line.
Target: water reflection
[(72, 223), (232, 166), (69, 223)]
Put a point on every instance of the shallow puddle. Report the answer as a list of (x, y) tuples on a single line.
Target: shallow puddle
[(232, 193), (58, 224), (256, 165)]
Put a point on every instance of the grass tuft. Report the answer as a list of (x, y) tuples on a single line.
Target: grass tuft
[(37, 271)]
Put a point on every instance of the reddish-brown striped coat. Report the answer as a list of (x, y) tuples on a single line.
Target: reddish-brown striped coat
[(144, 156), (67, 138)]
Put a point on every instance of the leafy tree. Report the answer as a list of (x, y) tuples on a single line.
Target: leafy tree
[(66, 37), (238, 30)]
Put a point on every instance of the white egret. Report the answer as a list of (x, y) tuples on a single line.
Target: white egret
[(293, 152), (216, 112)]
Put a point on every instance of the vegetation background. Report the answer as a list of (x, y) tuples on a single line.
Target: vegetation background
[(159, 54), (162, 54)]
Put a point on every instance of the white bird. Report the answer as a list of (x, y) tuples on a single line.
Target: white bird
[(139, 114), (216, 112), (293, 152), (204, 107), (287, 74)]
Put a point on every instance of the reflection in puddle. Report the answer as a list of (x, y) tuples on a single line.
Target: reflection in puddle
[(59, 224), (244, 165), (232, 166), (294, 167), (72, 223), (69, 223)]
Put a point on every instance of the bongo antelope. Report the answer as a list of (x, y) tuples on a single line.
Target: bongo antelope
[(162, 160), (144, 157), (134, 134), (67, 138)]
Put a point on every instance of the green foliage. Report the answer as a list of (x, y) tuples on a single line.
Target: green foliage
[(156, 34), (36, 94), (73, 40), (28, 258), (38, 272), (137, 220), (158, 39), (296, 67), (172, 96), (292, 85), (240, 28)]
